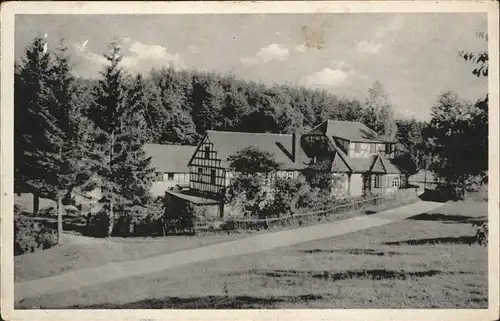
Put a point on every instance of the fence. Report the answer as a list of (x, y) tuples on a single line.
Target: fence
[(302, 218)]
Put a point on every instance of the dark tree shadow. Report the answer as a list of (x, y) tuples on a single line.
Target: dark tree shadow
[(376, 274), (206, 302), (369, 212), (356, 252), (447, 218), (436, 196), (438, 240)]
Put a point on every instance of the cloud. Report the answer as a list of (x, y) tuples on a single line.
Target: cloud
[(87, 62), (144, 57), (375, 45), (269, 53), (300, 48), (136, 57), (370, 47), (327, 77)]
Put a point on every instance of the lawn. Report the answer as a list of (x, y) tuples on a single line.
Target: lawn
[(83, 252), (422, 262)]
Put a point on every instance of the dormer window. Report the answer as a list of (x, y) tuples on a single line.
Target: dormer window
[(357, 147)]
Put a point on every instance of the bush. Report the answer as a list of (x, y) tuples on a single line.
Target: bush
[(480, 195), (293, 195), (97, 224), (228, 226), (481, 233), (30, 236)]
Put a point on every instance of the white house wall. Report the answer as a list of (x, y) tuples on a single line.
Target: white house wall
[(158, 188), (364, 150)]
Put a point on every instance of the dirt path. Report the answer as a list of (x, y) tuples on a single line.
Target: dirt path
[(251, 244)]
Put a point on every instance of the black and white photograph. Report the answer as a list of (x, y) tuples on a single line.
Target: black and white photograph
[(249, 159)]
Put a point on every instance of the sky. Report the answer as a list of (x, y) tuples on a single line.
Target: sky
[(414, 56)]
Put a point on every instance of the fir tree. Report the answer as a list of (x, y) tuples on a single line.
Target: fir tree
[(119, 132), (106, 113), (135, 171), (64, 159), (31, 109)]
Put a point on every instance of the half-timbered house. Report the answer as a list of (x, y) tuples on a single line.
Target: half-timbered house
[(361, 161), (210, 172)]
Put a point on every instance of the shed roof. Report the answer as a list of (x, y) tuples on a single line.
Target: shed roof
[(197, 200), (348, 130), (169, 158), (278, 145)]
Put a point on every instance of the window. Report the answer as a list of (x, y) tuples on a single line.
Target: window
[(200, 173), (207, 152), (170, 176), (212, 177), (395, 182), (378, 179), (357, 147), (372, 148), (289, 175), (388, 148)]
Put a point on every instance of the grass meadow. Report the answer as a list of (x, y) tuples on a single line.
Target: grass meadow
[(427, 261)]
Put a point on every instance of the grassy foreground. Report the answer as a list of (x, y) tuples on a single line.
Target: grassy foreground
[(423, 262), (79, 252)]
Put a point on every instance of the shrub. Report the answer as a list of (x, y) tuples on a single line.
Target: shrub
[(481, 194), (292, 195), (30, 236), (481, 233), (228, 225), (97, 224)]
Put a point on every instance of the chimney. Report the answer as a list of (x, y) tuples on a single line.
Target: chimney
[(294, 142)]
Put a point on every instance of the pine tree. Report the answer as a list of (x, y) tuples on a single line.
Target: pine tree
[(106, 113), (48, 125), (31, 105), (135, 172), (119, 133), (63, 160)]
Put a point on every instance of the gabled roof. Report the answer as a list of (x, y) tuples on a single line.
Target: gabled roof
[(278, 145), (348, 130), (376, 164), (339, 164), (391, 167), (169, 158)]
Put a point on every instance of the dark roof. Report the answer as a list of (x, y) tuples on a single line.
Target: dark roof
[(169, 158), (278, 145), (349, 130)]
